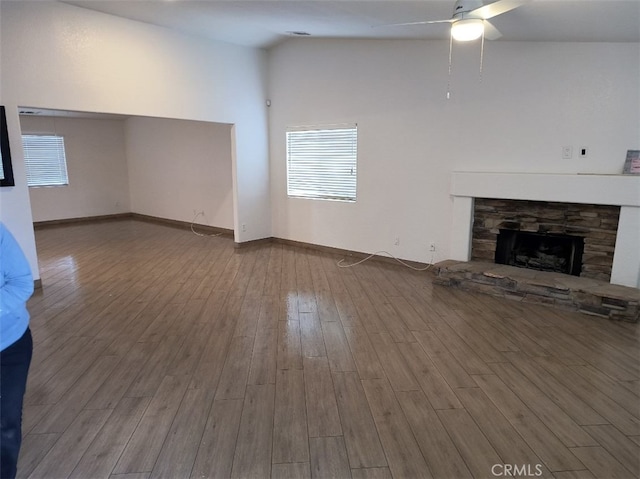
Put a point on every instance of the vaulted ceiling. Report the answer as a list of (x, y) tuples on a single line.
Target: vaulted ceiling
[(264, 23)]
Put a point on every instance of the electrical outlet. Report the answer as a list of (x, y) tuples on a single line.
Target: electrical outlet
[(244, 227), (396, 242), (432, 246), (567, 152)]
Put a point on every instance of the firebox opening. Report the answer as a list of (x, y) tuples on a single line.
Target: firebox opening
[(543, 252)]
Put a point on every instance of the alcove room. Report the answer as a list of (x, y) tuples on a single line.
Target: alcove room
[(275, 250), (117, 165)]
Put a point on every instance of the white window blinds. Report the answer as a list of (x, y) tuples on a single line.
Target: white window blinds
[(45, 160), (322, 162)]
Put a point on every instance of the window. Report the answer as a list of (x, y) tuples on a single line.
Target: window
[(45, 160), (322, 162)]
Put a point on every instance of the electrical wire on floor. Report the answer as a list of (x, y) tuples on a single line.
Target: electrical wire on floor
[(342, 265), (201, 234)]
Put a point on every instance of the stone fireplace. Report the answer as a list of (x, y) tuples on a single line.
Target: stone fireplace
[(540, 251), (621, 192), (570, 238), (549, 220)]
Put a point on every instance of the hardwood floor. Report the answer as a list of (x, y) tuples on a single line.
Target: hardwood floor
[(162, 354)]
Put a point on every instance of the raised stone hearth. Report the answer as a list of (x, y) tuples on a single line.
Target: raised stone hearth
[(586, 295)]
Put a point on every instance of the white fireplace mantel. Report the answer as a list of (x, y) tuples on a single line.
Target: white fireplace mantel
[(618, 190)]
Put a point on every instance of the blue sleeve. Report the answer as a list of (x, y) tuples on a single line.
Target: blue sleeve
[(16, 280)]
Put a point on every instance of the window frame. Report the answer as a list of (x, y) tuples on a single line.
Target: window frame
[(326, 181), (44, 175)]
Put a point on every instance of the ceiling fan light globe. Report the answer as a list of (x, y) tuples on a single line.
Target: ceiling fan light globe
[(467, 30)]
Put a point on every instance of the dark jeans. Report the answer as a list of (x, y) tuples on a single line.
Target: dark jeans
[(14, 363)]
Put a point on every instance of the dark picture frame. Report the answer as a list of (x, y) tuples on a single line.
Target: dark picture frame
[(7, 168)]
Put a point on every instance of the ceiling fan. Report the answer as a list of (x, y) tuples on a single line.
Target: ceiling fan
[(470, 19)]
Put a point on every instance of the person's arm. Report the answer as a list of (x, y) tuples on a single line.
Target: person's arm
[(16, 281)]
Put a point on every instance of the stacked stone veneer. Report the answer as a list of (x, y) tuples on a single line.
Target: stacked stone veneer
[(597, 224), (586, 295)]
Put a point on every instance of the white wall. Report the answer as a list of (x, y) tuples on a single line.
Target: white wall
[(58, 56), (96, 165), (532, 99), (177, 166), (15, 206)]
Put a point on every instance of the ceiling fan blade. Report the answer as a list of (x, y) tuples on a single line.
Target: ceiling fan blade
[(415, 23), (496, 8), (491, 32)]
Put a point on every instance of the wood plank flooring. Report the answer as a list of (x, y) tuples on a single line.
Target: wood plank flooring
[(162, 354)]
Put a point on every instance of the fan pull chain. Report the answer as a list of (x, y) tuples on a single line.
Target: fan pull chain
[(449, 75), (481, 55)]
